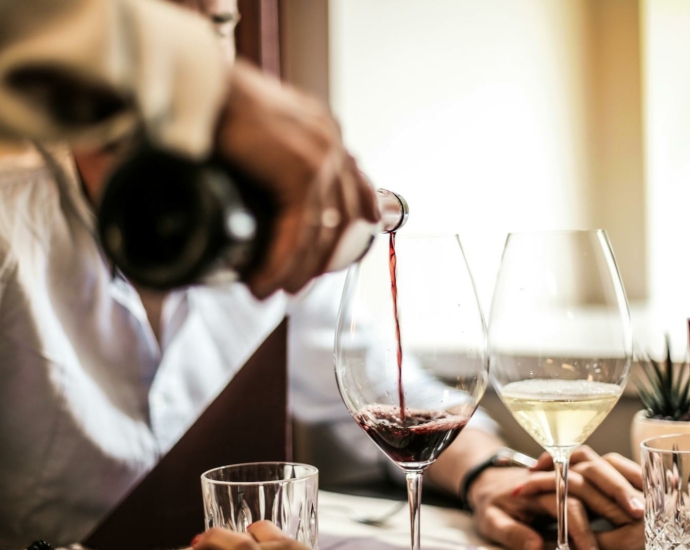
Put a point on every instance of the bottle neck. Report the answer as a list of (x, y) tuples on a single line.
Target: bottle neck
[(359, 235), (394, 210)]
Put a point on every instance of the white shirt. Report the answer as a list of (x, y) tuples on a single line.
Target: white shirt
[(89, 401)]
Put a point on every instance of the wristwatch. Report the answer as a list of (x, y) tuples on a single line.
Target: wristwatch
[(502, 458)]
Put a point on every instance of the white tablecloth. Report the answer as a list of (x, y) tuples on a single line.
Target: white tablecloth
[(442, 528)]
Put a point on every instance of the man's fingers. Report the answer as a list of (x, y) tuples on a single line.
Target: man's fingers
[(307, 233), (331, 218), (629, 470), (614, 476), (581, 454), (612, 483), (538, 482), (288, 544), (224, 539), (307, 256), (578, 487), (266, 531), (280, 257), (367, 205), (630, 537), (578, 526), (291, 146), (262, 535), (498, 526), (579, 529), (544, 463)]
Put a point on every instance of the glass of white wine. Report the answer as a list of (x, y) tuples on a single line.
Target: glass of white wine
[(560, 341)]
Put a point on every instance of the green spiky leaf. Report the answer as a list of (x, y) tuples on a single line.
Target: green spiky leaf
[(664, 389)]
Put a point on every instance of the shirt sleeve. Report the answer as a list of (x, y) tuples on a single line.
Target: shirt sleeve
[(94, 70)]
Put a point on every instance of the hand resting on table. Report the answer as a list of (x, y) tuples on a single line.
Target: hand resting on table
[(508, 502)]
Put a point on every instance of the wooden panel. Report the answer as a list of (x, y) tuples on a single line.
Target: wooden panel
[(165, 510), (258, 34), (304, 46)]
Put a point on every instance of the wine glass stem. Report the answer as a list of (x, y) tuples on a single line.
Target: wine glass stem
[(414, 497), (560, 463)]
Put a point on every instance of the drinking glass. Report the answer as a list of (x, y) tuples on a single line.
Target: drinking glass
[(283, 492), (665, 478), (560, 341), (410, 351)]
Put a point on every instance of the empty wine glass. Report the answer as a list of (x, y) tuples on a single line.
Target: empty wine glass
[(410, 351), (560, 341)]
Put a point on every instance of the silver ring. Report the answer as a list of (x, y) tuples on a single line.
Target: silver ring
[(330, 218)]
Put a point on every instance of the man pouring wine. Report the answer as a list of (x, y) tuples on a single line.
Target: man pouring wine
[(78, 417)]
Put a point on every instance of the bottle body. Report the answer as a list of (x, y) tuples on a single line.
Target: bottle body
[(166, 222)]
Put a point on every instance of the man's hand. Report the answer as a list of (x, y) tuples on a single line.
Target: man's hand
[(610, 485), (260, 535), (509, 501), (291, 144), (502, 517)]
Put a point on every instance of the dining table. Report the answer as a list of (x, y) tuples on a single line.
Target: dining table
[(350, 522)]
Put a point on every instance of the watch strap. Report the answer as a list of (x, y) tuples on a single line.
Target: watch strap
[(504, 457)]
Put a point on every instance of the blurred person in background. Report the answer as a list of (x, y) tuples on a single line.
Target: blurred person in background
[(81, 339)]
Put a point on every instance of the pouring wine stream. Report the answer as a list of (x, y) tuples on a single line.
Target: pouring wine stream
[(392, 267)]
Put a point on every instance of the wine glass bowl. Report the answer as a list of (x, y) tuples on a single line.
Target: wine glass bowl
[(413, 394), (560, 339)]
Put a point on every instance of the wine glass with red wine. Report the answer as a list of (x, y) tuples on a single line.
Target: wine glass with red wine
[(410, 351)]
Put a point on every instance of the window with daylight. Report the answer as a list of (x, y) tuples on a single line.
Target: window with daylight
[(500, 116)]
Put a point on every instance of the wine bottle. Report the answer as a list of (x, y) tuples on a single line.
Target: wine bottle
[(169, 222)]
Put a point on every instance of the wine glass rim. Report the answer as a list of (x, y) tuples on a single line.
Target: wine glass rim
[(310, 472), (424, 235), (649, 443), (557, 232)]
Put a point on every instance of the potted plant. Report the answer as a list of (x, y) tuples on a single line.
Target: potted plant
[(664, 389)]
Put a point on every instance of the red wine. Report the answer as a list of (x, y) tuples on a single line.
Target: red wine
[(392, 266), (419, 439)]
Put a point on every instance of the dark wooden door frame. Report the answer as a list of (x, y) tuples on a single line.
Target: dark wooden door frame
[(258, 33)]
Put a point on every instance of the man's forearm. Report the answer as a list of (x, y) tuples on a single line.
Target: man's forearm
[(470, 448), (95, 69)]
